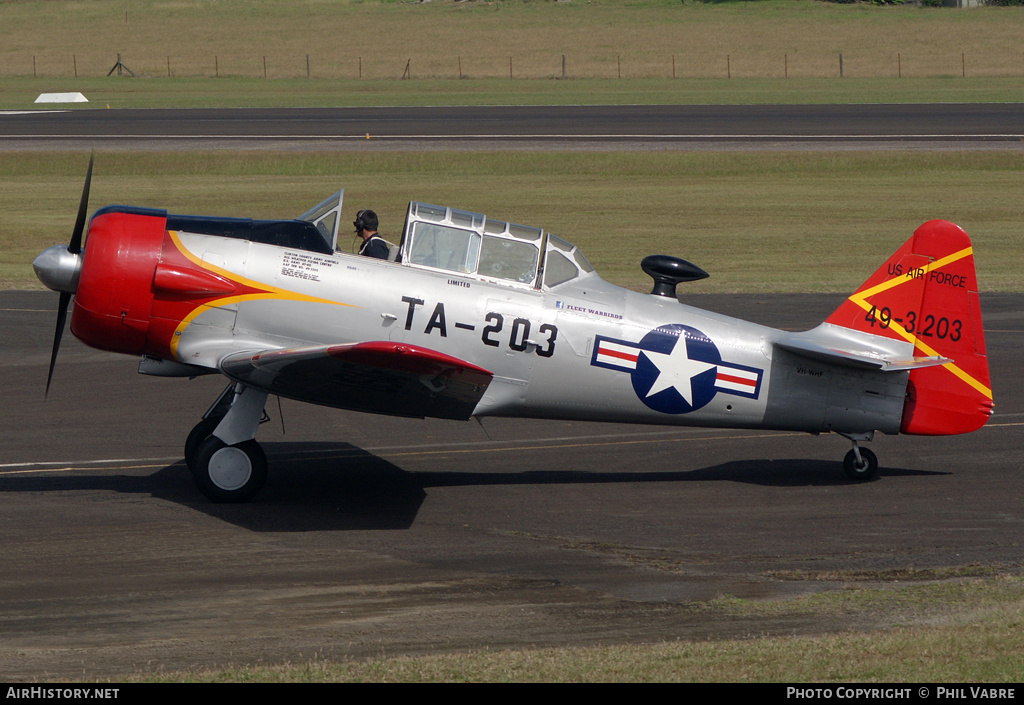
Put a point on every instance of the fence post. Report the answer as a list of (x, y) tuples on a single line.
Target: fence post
[(563, 65), (307, 65), (840, 64)]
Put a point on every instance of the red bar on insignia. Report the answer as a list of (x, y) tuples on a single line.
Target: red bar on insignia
[(617, 355), (736, 380)]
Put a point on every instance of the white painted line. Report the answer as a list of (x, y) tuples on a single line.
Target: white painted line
[(517, 444), (362, 137)]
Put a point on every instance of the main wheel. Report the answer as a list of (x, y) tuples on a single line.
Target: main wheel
[(865, 470), (229, 473), (199, 433)]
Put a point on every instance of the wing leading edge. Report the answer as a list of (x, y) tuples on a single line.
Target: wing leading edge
[(379, 377)]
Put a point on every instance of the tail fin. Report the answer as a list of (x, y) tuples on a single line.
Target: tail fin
[(927, 294)]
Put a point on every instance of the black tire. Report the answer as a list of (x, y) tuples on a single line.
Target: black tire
[(230, 473), (866, 470), (199, 433)]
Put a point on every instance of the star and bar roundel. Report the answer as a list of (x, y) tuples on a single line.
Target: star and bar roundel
[(676, 369)]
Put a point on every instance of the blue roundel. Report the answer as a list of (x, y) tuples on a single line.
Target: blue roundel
[(676, 369)]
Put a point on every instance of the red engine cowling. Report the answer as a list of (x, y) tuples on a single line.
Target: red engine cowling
[(115, 290)]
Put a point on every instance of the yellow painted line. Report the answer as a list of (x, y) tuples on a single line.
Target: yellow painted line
[(72, 468)]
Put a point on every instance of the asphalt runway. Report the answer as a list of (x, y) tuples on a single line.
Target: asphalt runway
[(633, 127), (380, 536)]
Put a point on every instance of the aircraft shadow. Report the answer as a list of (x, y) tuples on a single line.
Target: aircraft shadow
[(767, 473), (340, 487)]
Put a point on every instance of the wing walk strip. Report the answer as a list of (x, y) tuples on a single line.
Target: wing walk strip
[(860, 299), (10, 469)]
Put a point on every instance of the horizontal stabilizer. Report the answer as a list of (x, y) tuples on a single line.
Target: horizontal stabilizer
[(379, 377), (856, 358)]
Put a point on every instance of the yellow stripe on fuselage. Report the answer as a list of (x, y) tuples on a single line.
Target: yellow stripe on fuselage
[(268, 291)]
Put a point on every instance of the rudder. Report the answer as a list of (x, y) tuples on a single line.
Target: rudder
[(926, 293)]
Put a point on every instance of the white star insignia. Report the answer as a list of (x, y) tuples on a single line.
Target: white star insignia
[(676, 370)]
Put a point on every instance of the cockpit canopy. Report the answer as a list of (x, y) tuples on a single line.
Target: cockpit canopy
[(447, 239)]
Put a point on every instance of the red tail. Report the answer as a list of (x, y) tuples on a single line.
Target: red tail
[(927, 294)]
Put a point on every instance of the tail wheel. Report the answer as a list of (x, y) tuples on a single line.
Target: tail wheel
[(229, 473), (863, 470)]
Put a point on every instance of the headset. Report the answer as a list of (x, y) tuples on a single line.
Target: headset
[(365, 220)]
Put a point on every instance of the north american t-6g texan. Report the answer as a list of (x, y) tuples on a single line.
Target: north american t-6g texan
[(472, 316)]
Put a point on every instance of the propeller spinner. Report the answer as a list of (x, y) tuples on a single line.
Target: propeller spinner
[(58, 268)]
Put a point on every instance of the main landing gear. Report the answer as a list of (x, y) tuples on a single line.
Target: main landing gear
[(226, 462), (860, 464)]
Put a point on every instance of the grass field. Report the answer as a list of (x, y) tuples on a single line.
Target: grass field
[(18, 93), (786, 222), (352, 52), (958, 631), (599, 38)]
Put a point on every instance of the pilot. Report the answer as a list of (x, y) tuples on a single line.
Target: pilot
[(366, 228)]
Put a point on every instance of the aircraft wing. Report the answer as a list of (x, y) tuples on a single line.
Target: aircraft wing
[(379, 377)]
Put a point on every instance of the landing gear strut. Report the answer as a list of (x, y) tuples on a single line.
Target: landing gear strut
[(860, 464), (226, 462)]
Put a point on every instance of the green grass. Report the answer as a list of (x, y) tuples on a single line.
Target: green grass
[(946, 632), (19, 93), (758, 222)]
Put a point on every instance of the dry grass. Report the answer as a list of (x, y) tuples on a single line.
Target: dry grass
[(348, 39), (956, 632), (756, 222)]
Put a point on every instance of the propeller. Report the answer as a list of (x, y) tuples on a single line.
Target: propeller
[(75, 246), (58, 268)]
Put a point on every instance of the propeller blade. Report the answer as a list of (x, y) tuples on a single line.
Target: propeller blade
[(75, 246), (62, 313)]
